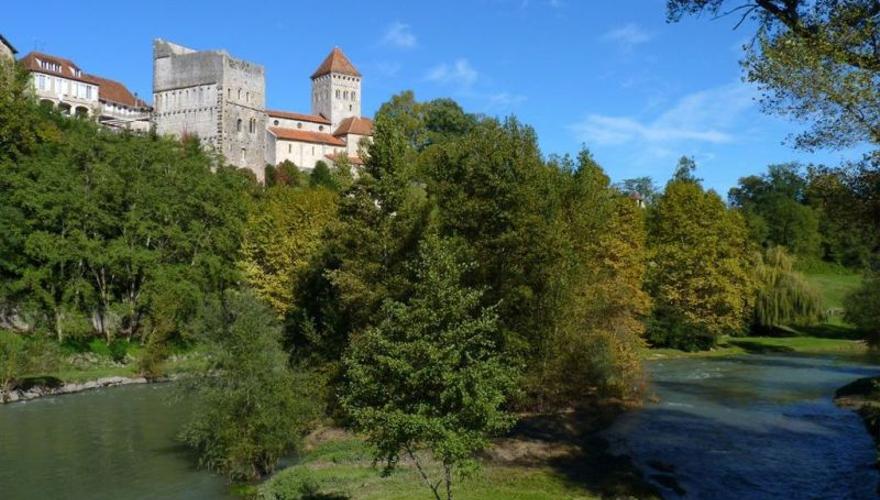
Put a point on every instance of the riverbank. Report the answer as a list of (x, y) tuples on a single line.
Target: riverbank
[(78, 376), (543, 457), (804, 345), (863, 397)]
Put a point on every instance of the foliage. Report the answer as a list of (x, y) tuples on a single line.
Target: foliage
[(776, 210), (597, 328), (20, 356), (321, 176), (862, 308), (284, 234), (252, 408), (285, 173), (114, 234), (642, 186), (816, 60), (699, 272), (784, 296), (429, 374), (423, 124)]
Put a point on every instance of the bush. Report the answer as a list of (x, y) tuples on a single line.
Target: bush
[(862, 308), (100, 347), (20, 356), (252, 408)]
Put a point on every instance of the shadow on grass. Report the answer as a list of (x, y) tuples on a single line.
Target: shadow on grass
[(753, 347), (590, 465)]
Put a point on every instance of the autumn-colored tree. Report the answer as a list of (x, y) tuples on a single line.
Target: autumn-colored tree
[(700, 268), (284, 233)]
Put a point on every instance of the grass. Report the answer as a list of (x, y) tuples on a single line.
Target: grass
[(343, 469), (834, 337)]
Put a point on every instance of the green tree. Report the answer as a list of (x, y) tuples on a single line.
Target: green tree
[(429, 374), (815, 60), (699, 268), (784, 296), (251, 408), (775, 207), (862, 308), (321, 176)]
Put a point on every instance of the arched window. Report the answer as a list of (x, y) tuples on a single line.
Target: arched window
[(290, 148), (239, 94), (337, 93), (345, 95), (353, 94), (238, 125)]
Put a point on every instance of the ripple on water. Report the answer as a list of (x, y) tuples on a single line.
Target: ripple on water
[(760, 426)]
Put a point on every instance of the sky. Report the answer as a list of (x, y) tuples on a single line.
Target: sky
[(614, 77)]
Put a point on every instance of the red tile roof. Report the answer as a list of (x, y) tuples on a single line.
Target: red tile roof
[(355, 125), (115, 92), (336, 62), (354, 160), (289, 134), (68, 68), (298, 116)]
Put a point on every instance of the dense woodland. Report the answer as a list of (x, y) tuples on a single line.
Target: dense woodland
[(461, 276)]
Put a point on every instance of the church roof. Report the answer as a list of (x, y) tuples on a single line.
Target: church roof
[(336, 62), (289, 115), (355, 125), (290, 134)]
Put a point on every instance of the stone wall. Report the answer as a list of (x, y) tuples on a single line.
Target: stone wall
[(214, 96), (337, 97)]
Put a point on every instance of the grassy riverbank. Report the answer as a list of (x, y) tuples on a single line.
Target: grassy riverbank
[(543, 458)]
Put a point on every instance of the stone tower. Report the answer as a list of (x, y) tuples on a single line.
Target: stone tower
[(214, 96), (336, 89)]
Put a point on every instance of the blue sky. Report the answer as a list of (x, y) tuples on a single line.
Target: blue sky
[(635, 90)]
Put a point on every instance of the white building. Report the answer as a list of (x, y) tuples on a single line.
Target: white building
[(60, 83), (334, 127)]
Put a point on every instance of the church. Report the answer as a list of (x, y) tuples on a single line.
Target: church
[(221, 100)]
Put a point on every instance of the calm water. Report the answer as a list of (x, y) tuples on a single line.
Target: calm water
[(110, 444), (752, 427)]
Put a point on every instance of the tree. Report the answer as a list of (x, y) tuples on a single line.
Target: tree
[(699, 267), (429, 374), (642, 186), (815, 60), (775, 207), (284, 234), (594, 343), (321, 176), (251, 408), (862, 308), (784, 296)]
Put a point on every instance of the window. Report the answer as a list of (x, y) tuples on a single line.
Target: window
[(353, 93), (243, 152), (349, 107), (321, 128), (239, 94), (345, 95), (252, 125), (299, 125), (337, 93), (290, 148), (238, 125), (275, 123), (248, 97), (229, 93)]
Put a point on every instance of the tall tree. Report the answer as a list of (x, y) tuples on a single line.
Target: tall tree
[(699, 272), (429, 375)]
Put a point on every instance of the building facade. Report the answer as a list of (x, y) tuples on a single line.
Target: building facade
[(60, 83), (7, 51), (214, 96)]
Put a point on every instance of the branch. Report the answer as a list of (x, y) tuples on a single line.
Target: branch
[(423, 474)]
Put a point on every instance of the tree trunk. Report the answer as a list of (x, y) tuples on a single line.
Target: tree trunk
[(447, 475)]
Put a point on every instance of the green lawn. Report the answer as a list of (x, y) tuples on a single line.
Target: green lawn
[(342, 469), (834, 286)]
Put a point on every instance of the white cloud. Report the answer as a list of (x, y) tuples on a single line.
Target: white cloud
[(707, 116), (459, 73), (627, 36), (504, 100), (399, 35)]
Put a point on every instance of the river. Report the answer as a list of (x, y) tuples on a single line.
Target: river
[(755, 426), (117, 443), (750, 427)]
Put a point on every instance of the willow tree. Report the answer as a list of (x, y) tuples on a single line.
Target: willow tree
[(784, 296)]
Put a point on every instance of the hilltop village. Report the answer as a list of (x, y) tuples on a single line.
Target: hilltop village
[(218, 98)]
